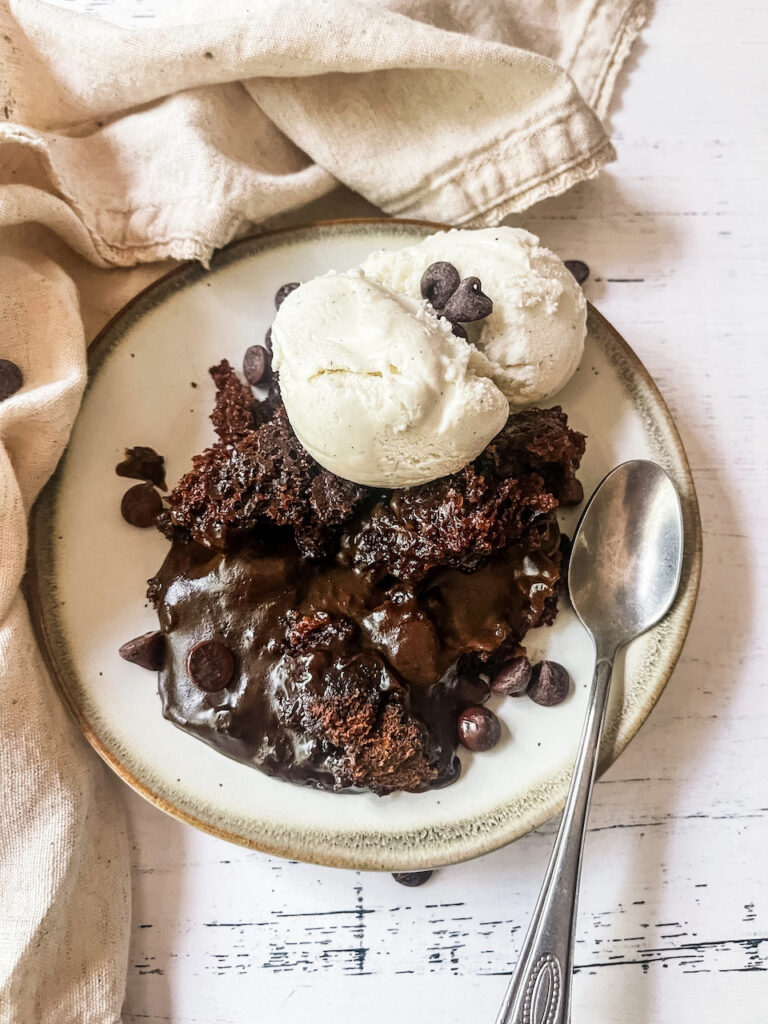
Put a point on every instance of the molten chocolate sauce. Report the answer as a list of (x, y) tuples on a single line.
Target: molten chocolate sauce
[(342, 682)]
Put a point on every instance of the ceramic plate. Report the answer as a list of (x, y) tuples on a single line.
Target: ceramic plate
[(88, 573)]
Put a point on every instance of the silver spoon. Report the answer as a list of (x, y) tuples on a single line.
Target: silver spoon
[(623, 576)]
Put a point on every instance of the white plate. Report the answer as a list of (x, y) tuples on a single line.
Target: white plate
[(88, 573)]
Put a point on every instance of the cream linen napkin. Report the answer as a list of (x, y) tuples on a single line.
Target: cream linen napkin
[(165, 141), (120, 147)]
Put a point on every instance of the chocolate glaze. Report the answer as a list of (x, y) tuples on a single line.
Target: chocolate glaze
[(340, 681)]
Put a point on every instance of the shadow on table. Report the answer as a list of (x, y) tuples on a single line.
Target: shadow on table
[(628, 69), (606, 223)]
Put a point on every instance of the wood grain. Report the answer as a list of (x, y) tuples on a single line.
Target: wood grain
[(674, 907)]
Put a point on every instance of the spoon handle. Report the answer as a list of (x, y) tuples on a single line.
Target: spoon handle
[(540, 989)]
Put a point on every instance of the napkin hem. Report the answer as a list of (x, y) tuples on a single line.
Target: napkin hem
[(562, 180), (608, 35), (486, 188)]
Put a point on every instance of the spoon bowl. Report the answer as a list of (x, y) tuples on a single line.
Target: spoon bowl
[(627, 554)]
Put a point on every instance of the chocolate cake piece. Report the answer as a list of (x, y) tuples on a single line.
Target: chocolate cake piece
[(234, 414), (258, 474), (508, 493), (356, 624), (536, 441), (360, 708)]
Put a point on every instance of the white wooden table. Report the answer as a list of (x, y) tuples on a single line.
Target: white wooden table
[(674, 906)]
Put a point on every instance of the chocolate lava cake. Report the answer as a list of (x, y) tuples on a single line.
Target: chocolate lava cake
[(332, 634)]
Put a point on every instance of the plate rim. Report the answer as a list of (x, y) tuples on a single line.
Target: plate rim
[(359, 857)]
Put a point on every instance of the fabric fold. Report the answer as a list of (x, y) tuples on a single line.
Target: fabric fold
[(65, 893), (167, 141)]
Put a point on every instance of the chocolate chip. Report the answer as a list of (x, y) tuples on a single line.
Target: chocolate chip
[(468, 302), (142, 463), (549, 683), (140, 505), (11, 379), (571, 492), (579, 269), (459, 331), (512, 678), (284, 291), (412, 878), (268, 340), (210, 665), (257, 365), (479, 728), (147, 650), (438, 283)]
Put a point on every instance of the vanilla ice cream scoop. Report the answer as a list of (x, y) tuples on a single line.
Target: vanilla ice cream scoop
[(534, 338), (376, 386)]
